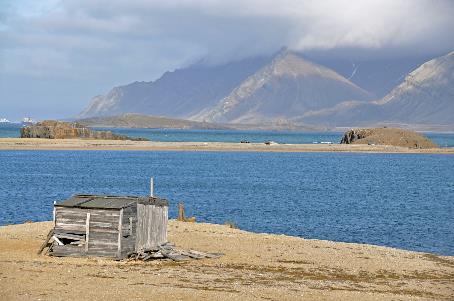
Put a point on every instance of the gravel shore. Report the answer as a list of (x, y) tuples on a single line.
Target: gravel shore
[(254, 267)]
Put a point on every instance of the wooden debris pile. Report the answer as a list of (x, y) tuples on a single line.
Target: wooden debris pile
[(170, 252), (166, 251)]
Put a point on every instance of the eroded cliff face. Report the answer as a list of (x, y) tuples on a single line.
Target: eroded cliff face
[(52, 129), (387, 136)]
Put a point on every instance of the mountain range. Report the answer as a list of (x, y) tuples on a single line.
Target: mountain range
[(290, 88), (426, 96)]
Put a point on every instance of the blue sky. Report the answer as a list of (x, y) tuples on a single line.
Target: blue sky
[(56, 55)]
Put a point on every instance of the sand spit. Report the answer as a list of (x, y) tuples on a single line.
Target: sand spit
[(255, 267), (83, 144)]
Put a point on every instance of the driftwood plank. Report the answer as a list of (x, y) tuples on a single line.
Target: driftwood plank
[(175, 256), (49, 236), (205, 255)]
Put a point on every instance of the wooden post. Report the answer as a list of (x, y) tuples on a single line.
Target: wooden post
[(87, 231), (151, 187), (181, 216)]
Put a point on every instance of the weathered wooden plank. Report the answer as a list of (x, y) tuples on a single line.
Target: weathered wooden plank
[(161, 225), (153, 241), (80, 229), (139, 227), (204, 254), (175, 256), (130, 226), (106, 249), (104, 243), (81, 219), (105, 225), (157, 224), (104, 236), (78, 243), (166, 219), (63, 211), (164, 225), (62, 231), (93, 211), (127, 248), (120, 222), (67, 250), (87, 232), (70, 211), (70, 220), (49, 236), (70, 227), (127, 245), (70, 236), (103, 230), (129, 213), (129, 232), (102, 253), (106, 219), (107, 243), (151, 229)]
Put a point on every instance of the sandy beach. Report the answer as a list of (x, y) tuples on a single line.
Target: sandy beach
[(254, 267), (82, 144)]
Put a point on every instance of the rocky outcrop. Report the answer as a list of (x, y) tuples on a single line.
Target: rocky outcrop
[(52, 129), (387, 136)]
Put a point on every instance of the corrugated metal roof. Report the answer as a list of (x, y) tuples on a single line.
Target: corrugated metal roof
[(109, 202)]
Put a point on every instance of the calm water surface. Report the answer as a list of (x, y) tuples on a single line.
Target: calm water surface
[(399, 200), (443, 140)]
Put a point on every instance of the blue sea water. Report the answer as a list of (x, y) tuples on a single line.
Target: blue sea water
[(398, 200), (10, 130), (292, 137)]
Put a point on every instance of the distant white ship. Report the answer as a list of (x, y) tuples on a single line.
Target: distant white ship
[(4, 120), (27, 121)]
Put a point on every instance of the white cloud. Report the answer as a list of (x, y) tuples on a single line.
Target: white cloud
[(119, 41), (224, 29)]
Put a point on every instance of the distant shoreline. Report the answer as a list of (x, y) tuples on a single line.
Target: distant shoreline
[(126, 145)]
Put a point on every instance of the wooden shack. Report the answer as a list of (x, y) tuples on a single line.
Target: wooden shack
[(108, 226)]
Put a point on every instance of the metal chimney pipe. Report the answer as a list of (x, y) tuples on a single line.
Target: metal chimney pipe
[(151, 187)]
